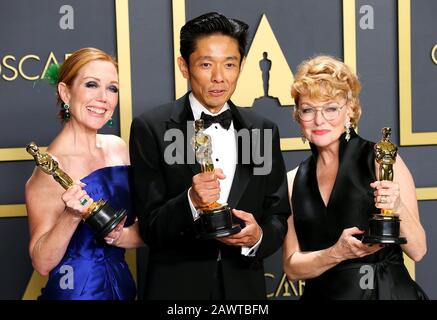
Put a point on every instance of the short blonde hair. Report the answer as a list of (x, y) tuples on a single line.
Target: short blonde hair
[(325, 77)]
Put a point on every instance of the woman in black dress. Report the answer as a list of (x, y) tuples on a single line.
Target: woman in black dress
[(334, 192)]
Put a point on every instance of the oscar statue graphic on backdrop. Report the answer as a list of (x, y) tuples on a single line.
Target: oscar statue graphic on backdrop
[(265, 65), (101, 217), (216, 218), (384, 227), (267, 104)]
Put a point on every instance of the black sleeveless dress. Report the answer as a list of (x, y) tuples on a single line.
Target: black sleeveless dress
[(382, 275)]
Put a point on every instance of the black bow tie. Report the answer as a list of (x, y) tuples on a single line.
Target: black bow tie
[(224, 118)]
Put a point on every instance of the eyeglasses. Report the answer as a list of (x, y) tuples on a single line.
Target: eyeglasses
[(329, 112)]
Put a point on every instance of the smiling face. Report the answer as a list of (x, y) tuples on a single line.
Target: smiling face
[(93, 94), (213, 70), (320, 131)]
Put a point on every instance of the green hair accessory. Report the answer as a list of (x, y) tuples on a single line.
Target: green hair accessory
[(52, 74)]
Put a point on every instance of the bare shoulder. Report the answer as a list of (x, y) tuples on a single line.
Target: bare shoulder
[(42, 186), (36, 179), (402, 173), (400, 162), (41, 182), (111, 139), (115, 147)]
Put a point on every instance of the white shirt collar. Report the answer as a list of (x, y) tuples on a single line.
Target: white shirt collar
[(197, 108)]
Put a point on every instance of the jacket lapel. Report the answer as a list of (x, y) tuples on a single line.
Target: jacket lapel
[(179, 120)]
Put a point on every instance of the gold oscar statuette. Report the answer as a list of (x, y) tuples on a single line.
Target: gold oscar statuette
[(384, 227), (215, 218), (100, 217)]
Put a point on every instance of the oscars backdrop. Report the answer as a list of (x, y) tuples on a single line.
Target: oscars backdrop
[(391, 44)]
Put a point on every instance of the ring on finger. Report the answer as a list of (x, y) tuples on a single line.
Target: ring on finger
[(383, 199), (83, 201)]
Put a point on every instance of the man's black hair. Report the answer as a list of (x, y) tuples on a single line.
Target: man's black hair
[(209, 24)]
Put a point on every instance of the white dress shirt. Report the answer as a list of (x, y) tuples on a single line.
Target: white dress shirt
[(224, 156)]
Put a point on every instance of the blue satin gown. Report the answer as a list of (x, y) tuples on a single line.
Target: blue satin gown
[(92, 270)]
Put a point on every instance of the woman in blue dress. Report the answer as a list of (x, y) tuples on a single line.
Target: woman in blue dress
[(61, 245)]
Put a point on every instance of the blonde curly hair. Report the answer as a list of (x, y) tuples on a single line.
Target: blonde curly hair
[(325, 77)]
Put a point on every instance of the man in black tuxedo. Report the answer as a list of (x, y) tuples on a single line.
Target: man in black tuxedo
[(167, 195)]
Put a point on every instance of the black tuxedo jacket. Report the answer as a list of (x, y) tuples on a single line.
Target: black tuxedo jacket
[(181, 266)]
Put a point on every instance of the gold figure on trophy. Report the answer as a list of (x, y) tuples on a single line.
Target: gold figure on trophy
[(384, 227), (100, 217), (203, 151), (385, 155), (216, 218)]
